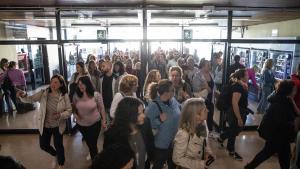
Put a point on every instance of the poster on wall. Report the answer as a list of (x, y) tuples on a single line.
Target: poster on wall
[(101, 34), (187, 34)]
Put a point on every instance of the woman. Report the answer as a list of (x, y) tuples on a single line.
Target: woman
[(218, 72), (203, 81), (17, 80), (130, 127), (80, 72), (237, 114), (95, 75), (90, 57), (16, 76), (5, 84), (278, 126), (190, 143), (182, 89), (100, 63), (164, 112), (89, 113), (117, 156), (152, 76), (129, 67), (139, 75), (267, 81), (54, 108), (118, 72), (128, 87)]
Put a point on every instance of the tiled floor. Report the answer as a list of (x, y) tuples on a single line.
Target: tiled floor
[(21, 121), (26, 149)]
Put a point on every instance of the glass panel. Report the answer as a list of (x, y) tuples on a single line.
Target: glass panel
[(32, 60), (101, 24), (21, 25), (285, 59), (80, 51), (265, 24), (187, 24)]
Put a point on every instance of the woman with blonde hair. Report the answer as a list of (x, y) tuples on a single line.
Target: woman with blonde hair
[(153, 76), (127, 87), (267, 85), (190, 143)]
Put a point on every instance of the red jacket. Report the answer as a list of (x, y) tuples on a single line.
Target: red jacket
[(296, 80)]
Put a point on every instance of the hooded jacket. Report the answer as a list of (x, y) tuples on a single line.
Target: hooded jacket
[(278, 122)]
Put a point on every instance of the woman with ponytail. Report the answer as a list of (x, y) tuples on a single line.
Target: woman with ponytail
[(237, 113)]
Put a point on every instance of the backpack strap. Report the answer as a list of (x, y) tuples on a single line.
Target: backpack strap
[(159, 108)]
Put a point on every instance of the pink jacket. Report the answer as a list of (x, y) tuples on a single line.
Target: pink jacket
[(17, 77), (251, 74)]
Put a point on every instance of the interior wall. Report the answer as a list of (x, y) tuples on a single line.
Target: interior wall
[(6, 51), (285, 29)]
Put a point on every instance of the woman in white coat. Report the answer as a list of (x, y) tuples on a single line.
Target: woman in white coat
[(55, 107), (190, 144)]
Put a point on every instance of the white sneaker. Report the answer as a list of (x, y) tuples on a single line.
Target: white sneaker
[(213, 135), (60, 167), (88, 157)]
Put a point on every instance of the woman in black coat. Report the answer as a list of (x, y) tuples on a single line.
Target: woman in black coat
[(277, 126), (131, 127)]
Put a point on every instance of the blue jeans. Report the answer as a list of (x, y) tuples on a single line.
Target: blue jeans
[(263, 103)]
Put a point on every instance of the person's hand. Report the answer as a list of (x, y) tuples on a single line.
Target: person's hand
[(56, 116), (103, 123), (240, 122), (163, 117), (75, 118), (20, 93)]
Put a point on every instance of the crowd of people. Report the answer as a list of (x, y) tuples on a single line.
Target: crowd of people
[(167, 121)]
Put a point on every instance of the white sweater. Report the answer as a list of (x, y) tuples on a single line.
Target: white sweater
[(117, 98)]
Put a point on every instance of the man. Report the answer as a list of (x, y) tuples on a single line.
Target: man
[(163, 113), (106, 85), (235, 66)]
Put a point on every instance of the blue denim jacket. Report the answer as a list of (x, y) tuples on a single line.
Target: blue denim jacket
[(268, 78), (166, 130)]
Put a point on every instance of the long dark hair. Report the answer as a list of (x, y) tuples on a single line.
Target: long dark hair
[(90, 89), (12, 64), (81, 64), (126, 114), (3, 62), (121, 68), (63, 89)]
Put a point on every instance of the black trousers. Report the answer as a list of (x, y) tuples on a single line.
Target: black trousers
[(90, 135), (233, 130), (210, 114), (270, 148), (59, 150), (161, 156)]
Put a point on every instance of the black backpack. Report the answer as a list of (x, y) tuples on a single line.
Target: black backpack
[(224, 100)]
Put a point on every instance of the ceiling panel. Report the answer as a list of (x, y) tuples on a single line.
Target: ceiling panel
[(237, 3)]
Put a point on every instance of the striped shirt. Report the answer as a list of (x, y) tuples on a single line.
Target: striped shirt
[(51, 109)]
